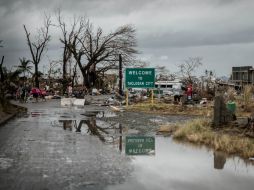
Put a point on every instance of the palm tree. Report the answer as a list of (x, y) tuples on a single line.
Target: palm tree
[(24, 66)]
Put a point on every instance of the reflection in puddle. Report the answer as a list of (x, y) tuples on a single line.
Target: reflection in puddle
[(36, 114), (5, 162), (90, 114), (93, 129), (67, 124), (99, 114), (177, 166), (111, 134), (106, 114), (39, 113), (219, 160)]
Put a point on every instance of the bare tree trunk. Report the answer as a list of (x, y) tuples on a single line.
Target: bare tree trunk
[(3, 102), (36, 78), (38, 46), (1, 70), (74, 75), (65, 82), (66, 57), (86, 82)]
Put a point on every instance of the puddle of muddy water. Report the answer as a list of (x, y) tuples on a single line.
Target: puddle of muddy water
[(177, 166)]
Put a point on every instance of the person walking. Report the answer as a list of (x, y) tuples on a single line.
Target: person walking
[(35, 94)]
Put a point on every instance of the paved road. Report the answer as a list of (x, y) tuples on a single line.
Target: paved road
[(37, 153), (53, 147)]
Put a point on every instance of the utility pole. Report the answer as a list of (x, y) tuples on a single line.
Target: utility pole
[(120, 75)]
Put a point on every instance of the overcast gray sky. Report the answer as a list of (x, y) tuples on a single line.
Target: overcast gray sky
[(168, 31)]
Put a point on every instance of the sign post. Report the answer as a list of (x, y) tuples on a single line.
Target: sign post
[(152, 96)]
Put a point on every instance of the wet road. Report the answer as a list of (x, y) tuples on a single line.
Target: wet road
[(36, 153), (53, 147)]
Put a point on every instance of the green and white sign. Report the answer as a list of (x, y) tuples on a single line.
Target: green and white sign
[(139, 77), (140, 145)]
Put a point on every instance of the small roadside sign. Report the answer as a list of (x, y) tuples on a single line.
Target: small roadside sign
[(140, 145)]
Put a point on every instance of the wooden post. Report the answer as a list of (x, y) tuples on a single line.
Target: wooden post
[(217, 111), (127, 97)]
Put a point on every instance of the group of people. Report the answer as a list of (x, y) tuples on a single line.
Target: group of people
[(24, 93)]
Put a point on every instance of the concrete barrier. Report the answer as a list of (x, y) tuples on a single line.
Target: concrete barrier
[(67, 101), (79, 102), (72, 102)]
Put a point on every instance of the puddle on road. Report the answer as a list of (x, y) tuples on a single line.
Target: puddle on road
[(181, 167), (106, 114), (89, 123), (84, 127), (5, 163), (174, 166), (100, 114), (39, 113), (106, 132)]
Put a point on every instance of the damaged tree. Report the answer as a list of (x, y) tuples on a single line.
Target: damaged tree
[(1, 70), (91, 49), (7, 84), (188, 68), (2, 79), (38, 46), (1, 66), (65, 40), (163, 74)]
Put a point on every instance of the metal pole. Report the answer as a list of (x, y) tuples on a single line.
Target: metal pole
[(120, 75)]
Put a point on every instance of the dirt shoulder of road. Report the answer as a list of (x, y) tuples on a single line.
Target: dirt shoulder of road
[(11, 111)]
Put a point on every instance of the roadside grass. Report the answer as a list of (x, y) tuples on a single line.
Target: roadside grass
[(170, 109), (198, 131), (160, 107), (241, 109)]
